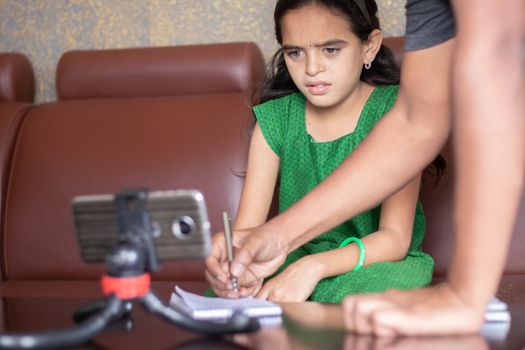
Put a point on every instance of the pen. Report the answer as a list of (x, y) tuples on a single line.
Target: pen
[(229, 244)]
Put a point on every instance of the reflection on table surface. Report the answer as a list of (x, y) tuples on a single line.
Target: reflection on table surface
[(38, 306)]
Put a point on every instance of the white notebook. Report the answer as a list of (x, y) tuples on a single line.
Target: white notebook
[(497, 311), (207, 308), (497, 321)]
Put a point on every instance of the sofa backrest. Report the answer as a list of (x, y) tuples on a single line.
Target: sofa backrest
[(437, 202), (161, 118), (17, 90), (17, 80), (160, 71)]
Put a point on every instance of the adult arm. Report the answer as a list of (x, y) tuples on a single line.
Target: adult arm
[(489, 124), (489, 128)]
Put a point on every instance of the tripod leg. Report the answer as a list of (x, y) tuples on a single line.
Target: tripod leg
[(238, 323), (86, 311)]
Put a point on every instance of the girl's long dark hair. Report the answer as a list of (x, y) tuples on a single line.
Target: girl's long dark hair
[(362, 21)]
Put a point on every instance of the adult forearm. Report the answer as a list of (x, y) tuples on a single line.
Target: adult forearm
[(490, 147)]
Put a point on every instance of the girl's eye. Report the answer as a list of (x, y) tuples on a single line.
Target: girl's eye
[(331, 50), (293, 53)]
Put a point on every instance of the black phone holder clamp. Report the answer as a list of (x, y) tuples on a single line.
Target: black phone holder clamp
[(126, 281)]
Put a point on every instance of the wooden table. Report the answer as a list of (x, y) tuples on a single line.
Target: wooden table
[(28, 306)]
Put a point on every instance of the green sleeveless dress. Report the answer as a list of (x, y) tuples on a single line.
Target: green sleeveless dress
[(304, 163)]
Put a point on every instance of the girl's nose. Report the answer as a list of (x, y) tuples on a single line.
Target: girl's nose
[(313, 65)]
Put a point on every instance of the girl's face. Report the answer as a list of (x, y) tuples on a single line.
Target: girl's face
[(322, 54)]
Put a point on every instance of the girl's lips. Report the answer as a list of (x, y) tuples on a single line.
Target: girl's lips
[(318, 88)]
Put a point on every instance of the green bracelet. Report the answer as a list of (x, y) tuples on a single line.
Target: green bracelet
[(362, 251)]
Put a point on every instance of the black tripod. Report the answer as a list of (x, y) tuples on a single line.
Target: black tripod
[(127, 281)]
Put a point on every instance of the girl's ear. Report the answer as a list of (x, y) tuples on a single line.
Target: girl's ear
[(373, 44)]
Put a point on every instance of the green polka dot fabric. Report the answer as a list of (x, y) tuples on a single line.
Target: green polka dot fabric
[(304, 163)]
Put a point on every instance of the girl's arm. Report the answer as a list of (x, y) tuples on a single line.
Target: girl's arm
[(389, 243), (259, 184), (256, 198)]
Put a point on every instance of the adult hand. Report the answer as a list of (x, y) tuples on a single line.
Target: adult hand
[(362, 342), (258, 255), (294, 284), (429, 311), (252, 274)]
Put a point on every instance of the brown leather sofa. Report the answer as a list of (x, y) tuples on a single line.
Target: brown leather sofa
[(164, 118), (161, 118), (17, 90)]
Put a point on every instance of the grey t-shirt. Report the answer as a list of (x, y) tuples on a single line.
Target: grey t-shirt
[(429, 23)]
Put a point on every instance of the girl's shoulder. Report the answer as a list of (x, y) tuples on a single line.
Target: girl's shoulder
[(282, 102), (382, 98), (277, 117), (387, 91), (379, 102), (281, 110)]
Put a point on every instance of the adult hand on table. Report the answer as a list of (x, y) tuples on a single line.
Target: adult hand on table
[(367, 342), (439, 310)]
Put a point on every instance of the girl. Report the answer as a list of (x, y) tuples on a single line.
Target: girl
[(329, 84)]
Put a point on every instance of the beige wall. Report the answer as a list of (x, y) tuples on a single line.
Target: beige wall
[(44, 29)]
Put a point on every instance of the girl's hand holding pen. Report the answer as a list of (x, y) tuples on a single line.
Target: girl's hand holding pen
[(218, 269), (251, 277)]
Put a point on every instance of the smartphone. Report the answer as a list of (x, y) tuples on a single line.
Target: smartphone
[(179, 222)]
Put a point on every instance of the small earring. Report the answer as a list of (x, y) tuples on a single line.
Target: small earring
[(368, 65)]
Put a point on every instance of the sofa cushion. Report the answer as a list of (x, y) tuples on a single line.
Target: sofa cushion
[(160, 71), (79, 147)]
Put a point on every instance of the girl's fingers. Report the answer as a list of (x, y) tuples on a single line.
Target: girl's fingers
[(216, 263), (250, 290), (216, 270), (219, 288)]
